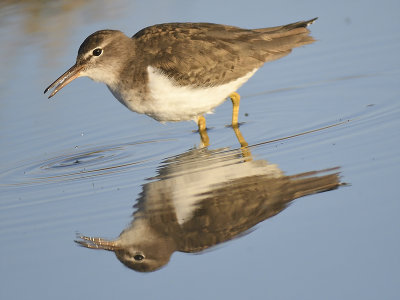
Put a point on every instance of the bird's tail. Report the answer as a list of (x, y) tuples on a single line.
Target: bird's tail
[(280, 40), (314, 182), (287, 28)]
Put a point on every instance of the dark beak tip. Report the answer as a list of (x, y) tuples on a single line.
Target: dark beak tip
[(68, 76)]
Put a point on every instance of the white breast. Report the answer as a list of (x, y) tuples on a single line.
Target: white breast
[(167, 101)]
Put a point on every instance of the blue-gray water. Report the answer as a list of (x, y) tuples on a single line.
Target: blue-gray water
[(78, 162)]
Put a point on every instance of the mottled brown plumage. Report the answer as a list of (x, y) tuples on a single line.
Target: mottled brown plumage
[(205, 54), (180, 71)]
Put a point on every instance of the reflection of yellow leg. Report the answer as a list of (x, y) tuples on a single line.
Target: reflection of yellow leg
[(235, 97), (240, 137), (243, 144), (201, 123)]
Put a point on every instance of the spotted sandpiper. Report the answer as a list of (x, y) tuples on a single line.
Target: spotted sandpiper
[(180, 71)]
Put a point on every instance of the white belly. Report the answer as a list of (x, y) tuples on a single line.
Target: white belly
[(167, 102)]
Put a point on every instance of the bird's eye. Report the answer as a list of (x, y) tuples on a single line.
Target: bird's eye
[(97, 51), (138, 257)]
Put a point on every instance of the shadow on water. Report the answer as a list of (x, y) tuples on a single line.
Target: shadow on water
[(202, 198)]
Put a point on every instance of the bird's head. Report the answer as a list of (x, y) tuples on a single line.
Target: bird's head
[(100, 57)]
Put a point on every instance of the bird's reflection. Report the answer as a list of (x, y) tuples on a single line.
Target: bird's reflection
[(202, 198)]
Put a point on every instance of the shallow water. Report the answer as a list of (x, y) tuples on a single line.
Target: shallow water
[(81, 163)]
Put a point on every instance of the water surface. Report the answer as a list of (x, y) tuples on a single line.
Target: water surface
[(82, 163)]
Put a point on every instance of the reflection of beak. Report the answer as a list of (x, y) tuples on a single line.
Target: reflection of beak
[(64, 79), (96, 243)]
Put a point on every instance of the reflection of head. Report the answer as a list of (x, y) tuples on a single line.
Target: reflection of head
[(139, 248), (146, 257)]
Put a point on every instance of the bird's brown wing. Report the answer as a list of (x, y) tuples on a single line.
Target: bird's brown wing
[(205, 54)]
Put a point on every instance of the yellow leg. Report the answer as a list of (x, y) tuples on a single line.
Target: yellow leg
[(235, 97), (201, 123)]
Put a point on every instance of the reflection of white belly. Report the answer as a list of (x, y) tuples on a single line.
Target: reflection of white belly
[(168, 102), (192, 186)]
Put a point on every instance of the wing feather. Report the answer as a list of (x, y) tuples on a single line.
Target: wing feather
[(206, 54)]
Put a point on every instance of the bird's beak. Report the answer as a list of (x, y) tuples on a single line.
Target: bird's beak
[(64, 79), (96, 243)]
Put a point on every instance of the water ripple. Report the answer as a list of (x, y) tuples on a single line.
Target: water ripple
[(78, 164)]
